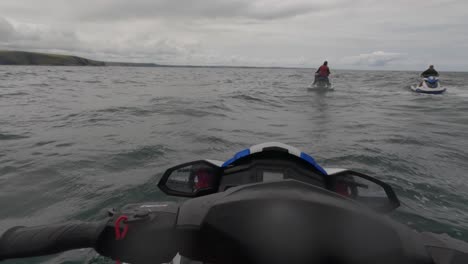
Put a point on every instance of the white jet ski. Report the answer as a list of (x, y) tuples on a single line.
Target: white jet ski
[(429, 85)]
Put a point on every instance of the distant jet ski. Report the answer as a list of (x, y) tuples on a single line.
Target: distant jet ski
[(321, 84), (429, 85)]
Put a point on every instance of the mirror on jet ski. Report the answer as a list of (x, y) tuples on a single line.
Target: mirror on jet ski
[(191, 179), (366, 190)]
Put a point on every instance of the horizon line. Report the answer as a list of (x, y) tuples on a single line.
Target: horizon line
[(153, 64)]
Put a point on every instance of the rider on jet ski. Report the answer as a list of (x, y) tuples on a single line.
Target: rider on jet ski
[(429, 72), (322, 73)]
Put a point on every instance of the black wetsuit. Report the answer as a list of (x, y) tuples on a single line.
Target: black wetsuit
[(429, 72)]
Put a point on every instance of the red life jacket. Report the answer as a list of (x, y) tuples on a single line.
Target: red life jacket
[(323, 71)]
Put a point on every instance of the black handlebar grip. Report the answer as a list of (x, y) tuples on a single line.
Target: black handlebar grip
[(21, 242)]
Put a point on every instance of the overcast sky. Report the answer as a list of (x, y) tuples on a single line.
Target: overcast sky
[(350, 34)]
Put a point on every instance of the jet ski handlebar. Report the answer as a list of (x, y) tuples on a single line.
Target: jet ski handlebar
[(131, 235), (20, 241)]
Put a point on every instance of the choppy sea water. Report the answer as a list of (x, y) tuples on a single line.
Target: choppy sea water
[(76, 140)]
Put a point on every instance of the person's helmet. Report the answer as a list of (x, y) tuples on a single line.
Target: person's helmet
[(325, 62)]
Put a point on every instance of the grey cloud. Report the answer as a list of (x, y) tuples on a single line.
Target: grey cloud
[(280, 13), (111, 10), (6, 30), (140, 47), (38, 37), (266, 32), (376, 58)]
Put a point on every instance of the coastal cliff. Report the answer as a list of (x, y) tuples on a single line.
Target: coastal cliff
[(34, 58)]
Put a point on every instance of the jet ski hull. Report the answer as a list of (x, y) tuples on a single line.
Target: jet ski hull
[(320, 88), (429, 85), (426, 90)]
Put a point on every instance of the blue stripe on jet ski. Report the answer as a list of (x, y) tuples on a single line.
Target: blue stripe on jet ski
[(303, 156), (311, 160), (238, 155)]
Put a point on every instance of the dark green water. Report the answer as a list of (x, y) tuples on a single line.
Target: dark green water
[(76, 140)]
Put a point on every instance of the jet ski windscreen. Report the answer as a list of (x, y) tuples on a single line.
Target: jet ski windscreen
[(267, 167)]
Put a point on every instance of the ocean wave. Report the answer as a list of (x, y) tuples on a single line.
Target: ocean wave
[(102, 117), (40, 84), (6, 95), (189, 107), (43, 143), (135, 111), (136, 157), (92, 81), (6, 136), (249, 98)]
